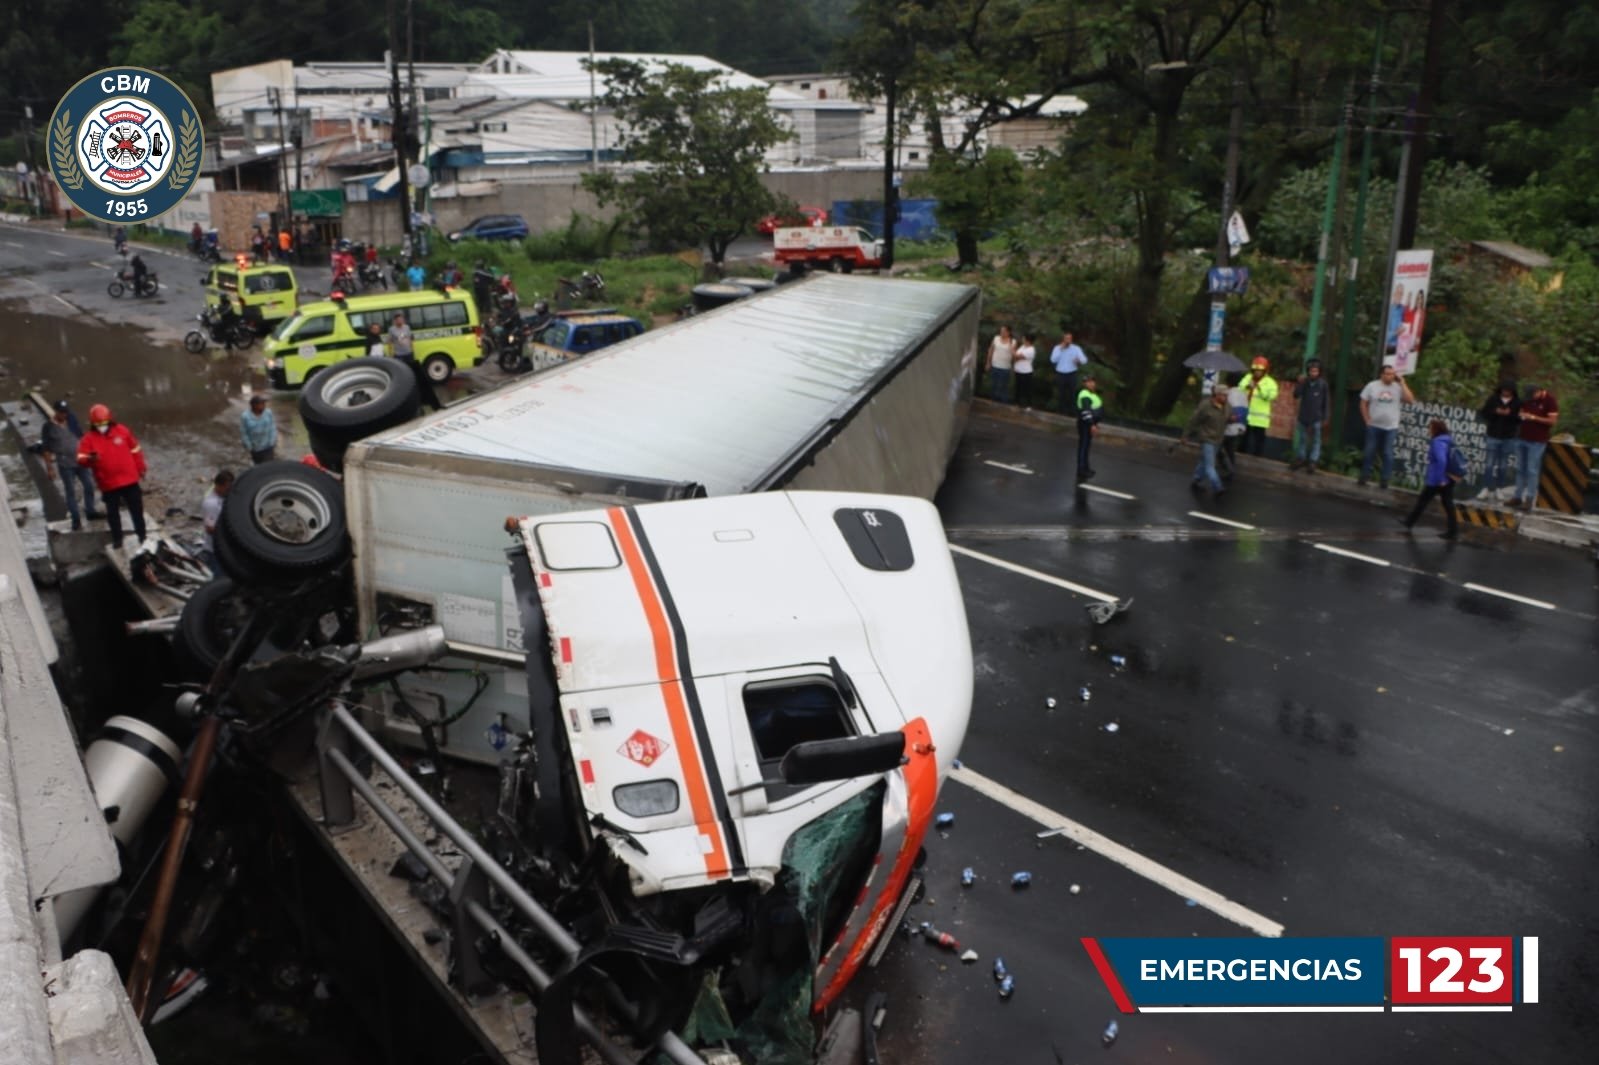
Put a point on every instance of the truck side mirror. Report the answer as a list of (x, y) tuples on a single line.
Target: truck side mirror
[(855, 756)]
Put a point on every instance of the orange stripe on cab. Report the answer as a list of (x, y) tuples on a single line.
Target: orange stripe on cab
[(688, 750)]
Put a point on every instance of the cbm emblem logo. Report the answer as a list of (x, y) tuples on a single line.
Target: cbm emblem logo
[(124, 145)]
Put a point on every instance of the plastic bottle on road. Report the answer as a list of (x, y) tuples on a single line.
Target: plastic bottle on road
[(1000, 972), (968, 877), (1021, 879), (944, 820), (1007, 986), (1112, 1030), (1084, 694)]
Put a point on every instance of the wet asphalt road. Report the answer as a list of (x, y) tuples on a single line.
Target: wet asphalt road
[(1339, 747)]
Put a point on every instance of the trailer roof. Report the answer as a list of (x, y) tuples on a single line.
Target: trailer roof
[(720, 399)]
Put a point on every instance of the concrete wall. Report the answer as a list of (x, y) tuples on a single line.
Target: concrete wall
[(234, 216), (549, 205)]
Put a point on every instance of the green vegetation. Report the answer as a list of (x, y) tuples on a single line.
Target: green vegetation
[(703, 145)]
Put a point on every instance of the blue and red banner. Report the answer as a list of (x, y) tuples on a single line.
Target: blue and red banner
[(1354, 974)]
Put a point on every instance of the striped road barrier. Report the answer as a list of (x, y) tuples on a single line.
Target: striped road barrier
[(1564, 477)]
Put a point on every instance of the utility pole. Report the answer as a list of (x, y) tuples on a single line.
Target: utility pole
[(890, 191), (1313, 332), (35, 190), (398, 126), (1413, 157), (1346, 334), (594, 113), (1229, 196), (413, 127), (276, 95)]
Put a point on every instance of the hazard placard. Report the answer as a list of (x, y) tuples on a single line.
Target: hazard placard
[(642, 748)]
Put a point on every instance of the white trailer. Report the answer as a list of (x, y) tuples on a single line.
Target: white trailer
[(835, 383)]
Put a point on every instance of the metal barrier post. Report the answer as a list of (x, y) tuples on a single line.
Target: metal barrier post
[(466, 961), (338, 801)]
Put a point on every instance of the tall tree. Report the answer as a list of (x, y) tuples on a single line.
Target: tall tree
[(701, 147)]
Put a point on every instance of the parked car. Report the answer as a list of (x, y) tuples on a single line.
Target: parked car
[(493, 227), (804, 216)]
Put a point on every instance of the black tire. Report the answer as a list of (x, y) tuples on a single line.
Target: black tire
[(284, 521), (715, 294), (351, 400), (511, 360), (194, 342), (116, 289), (836, 265), (439, 368), (218, 611), (243, 337)]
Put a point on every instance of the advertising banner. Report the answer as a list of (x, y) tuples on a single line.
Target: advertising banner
[(1407, 309)]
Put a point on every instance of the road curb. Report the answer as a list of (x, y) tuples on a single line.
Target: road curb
[(1576, 531)]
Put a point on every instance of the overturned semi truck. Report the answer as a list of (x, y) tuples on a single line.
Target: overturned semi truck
[(690, 596)]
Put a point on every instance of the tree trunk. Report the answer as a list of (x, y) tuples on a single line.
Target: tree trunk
[(966, 247), (1154, 221)]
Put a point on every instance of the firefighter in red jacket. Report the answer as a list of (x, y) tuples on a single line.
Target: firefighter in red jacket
[(112, 452)]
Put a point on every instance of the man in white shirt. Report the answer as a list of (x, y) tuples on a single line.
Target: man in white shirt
[(1380, 404), (1068, 359)]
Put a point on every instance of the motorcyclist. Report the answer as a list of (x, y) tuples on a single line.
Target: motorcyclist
[(119, 239), (141, 274), (227, 320), (196, 238)]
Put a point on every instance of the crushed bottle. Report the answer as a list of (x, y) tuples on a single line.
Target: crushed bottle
[(1112, 1030), (968, 877), (1007, 986), (1021, 879), (944, 820), (1118, 661), (1000, 972), (1084, 694)]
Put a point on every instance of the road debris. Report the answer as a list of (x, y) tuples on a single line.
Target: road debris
[(968, 877), (944, 820), (1076, 889), (1021, 879), (1111, 726), (1112, 1030), (969, 956)]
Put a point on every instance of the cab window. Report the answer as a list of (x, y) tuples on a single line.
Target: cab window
[(554, 334), (320, 325), (267, 282), (227, 281), (455, 313), (784, 713), (584, 338)]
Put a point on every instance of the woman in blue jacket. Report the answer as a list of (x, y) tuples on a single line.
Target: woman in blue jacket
[(1439, 481)]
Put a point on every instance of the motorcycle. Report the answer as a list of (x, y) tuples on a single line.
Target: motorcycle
[(372, 275), (149, 287), (345, 282), (503, 341), (207, 250), (590, 286), (218, 329)]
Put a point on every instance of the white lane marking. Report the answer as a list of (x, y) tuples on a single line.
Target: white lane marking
[(1058, 582), (1007, 466), (1261, 1009), (1512, 596), (1356, 555), (1105, 491), (16, 244), (1125, 857), (1451, 1009), (1221, 521), (52, 295), (103, 266), (57, 254), (1529, 968)]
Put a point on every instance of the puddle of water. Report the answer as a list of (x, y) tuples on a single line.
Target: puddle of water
[(184, 408)]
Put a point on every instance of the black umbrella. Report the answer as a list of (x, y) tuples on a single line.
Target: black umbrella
[(1222, 361)]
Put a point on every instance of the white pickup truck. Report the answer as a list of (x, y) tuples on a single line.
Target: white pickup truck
[(841, 249)]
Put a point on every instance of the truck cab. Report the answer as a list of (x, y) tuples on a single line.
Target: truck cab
[(745, 699), (841, 249)]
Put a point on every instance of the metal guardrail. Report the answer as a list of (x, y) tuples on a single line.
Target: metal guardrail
[(341, 782)]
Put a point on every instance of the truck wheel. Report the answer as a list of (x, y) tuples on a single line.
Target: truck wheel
[(715, 294), (285, 522), (836, 265), (194, 342), (210, 620), (351, 400), (438, 368)]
